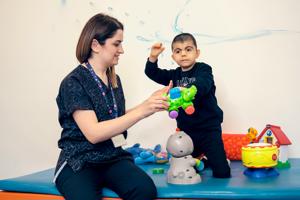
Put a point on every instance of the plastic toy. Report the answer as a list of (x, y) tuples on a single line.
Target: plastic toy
[(261, 172), (252, 132), (182, 164), (199, 165), (181, 98), (274, 135), (260, 155), (260, 158), (158, 171), (142, 155)]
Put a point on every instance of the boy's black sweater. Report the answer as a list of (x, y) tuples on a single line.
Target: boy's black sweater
[(207, 112)]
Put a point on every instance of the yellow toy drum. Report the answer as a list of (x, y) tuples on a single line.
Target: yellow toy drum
[(259, 155)]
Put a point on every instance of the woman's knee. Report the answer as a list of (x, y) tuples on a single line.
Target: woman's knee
[(77, 186), (142, 188), (73, 192), (146, 190)]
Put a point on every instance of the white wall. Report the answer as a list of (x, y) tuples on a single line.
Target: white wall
[(252, 45)]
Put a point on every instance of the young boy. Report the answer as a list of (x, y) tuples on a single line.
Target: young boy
[(204, 125)]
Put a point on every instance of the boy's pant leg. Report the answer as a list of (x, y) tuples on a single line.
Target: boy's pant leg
[(211, 144), (216, 158)]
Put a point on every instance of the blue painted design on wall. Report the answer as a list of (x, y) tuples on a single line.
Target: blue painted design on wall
[(184, 14)]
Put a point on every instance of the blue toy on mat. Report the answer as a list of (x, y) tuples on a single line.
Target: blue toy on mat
[(142, 155)]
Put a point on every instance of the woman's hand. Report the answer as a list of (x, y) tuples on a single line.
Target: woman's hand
[(156, 102), (156, 49), (97, 131)]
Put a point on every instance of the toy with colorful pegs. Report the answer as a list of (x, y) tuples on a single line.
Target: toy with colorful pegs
[(182, 164), (181, 98)]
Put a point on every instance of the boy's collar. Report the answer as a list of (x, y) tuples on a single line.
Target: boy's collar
[(186, 70)]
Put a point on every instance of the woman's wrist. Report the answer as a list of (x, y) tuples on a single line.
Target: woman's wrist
[(138, 112)]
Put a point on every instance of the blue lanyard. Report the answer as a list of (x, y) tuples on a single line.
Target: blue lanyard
[(112, 111)]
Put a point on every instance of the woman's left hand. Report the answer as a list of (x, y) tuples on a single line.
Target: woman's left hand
[(156, 102)]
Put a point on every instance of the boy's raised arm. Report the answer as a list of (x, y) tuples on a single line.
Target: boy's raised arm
[(156, 50)]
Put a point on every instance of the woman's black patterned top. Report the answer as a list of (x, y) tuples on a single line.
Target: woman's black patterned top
[(79, 91)]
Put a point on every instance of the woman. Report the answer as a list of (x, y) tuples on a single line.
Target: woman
[(92, 114)]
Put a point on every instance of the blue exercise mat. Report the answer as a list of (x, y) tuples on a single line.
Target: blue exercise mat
[(284, 186)]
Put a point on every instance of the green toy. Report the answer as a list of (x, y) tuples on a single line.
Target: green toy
[(181, 98), (158, 171)]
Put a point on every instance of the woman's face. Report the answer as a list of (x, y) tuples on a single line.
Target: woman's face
[(112, 49)]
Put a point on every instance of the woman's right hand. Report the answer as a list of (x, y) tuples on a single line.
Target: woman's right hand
[(156, 102)]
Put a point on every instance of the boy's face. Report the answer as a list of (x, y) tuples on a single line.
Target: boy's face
[(185, 54)]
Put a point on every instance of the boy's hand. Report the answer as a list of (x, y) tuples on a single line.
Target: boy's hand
[(156, 49)]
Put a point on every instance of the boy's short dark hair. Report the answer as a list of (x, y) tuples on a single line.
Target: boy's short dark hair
[(182, 37)]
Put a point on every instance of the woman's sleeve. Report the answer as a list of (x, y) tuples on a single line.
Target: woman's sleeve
[(72, 96)]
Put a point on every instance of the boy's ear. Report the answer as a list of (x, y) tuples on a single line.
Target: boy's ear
[(173, 56), (198, 53)]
